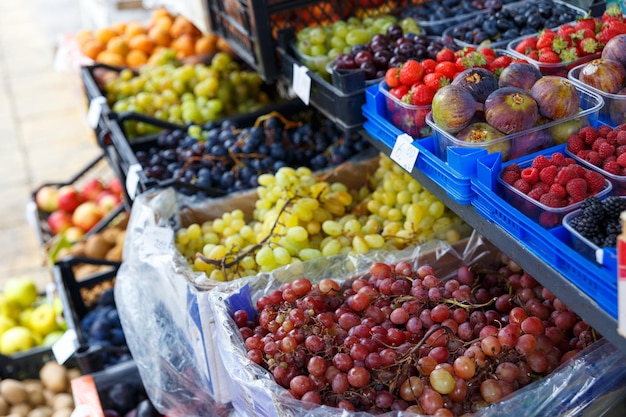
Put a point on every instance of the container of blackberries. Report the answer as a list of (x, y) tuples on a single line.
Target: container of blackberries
[(497, 28), (595, 226)]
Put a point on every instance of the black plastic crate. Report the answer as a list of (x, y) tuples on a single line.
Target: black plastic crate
[(26, 364), (251, 26), (99, 112), (79, 298), (97, 168)]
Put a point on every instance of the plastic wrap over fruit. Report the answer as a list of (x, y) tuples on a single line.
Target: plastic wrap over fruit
[(596, 371), (156, 295)]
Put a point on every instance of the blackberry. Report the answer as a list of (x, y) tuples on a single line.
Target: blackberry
[(613, 206), (593, 208), (609, 241), (586, 226), (613, 226)]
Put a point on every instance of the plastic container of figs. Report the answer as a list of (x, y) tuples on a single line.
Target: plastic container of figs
[(561, 68), (614, 111), (531, 140), (407, 117), (546, 216)]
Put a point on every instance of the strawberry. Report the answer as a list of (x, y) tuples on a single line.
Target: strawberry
[(445, 54), (420, 119), (421, 95), (392, 77), (588, 46), (411, 72), (534, 55), (448, 69), (526, 45), (559, 44), (545, 39), (583, 34), (588, 23), (436, 80), (429, 65), (399, 91), (613, 13), (500, 62), (568, 55), (549, 57), (607, 34), (565, 31)]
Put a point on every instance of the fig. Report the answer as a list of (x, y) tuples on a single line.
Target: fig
[(556, 97), (479, 132), (519, 74), (511, 110), (479, 81), (453, 108), (617, 108), (604, 74), (560, 132), (615, 49), (530, 143)]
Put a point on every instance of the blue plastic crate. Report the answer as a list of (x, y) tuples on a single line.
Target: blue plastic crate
[(554, 246), (453, 176)]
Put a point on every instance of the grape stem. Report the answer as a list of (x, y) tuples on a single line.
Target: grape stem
[(468, 305), (288, 123)]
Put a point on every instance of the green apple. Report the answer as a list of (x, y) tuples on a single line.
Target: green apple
[(8, 308), (16, 339), (43, 319), (58, 305), (6, 323), (21, 290), (24, 317), (51, 338)]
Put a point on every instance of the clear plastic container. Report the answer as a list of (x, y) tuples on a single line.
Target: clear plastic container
[(516, 145), (614, 111), (561, 69), (618, 181), (581, 244), (406, 117)]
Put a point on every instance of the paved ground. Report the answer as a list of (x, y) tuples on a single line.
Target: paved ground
[(44, 136)]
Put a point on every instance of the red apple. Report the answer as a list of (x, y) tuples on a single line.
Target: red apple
[(46, 198), (69, 198), (92, 189), (107, 201), (115, 186), (86, 215), (73, 234), (59, 221)]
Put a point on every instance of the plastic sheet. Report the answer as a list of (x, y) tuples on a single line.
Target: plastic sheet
[(593, 373)]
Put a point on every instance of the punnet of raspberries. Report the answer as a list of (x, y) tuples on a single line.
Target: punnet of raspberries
[(604, 147), (555, 181)]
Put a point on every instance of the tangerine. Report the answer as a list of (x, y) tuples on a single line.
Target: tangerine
[(159, 36), (142, 43), (111, 58), (104, 35), (136, 58), (118, 45), (92, 47)]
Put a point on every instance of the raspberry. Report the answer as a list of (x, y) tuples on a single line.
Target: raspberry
[(605, 150), (588, 134), (551, 200), (513, 167), (579, 170), (558, 159), (621, 160), (510, 177), (542, 187), (623, 172), (569, 161), (612, 137), (596, 144), (583, 154), (620, 150), (522, 186), (540, 162), (594, 158), (530, 175), (595, 181), (558, 190), (575, 144), (548, 174), (565, 175), (621, 128), (549, 219), (612, 167), (604, 130), (621, 137), (577, 189), (535, 194)]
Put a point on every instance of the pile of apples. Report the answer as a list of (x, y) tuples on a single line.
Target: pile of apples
[(74, 210), (26, 319)]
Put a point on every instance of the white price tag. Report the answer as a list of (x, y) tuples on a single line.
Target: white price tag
[(156, 240), (301, 83), (600, 256), (404, 153), (132, 180), (94, 111), (31, 214), (65, 347)]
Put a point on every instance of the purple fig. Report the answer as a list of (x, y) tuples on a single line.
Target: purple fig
[(604, 74), (481, 132), (511, 110), (519, 74), (479, 81), (556, 97), (560, 132), (533, 142), (453, 108), (615, 49), (617, 108)]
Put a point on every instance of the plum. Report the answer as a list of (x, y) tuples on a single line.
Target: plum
[(511, 110)]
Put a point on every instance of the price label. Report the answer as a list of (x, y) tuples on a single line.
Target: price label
[(156, 240), (301, 83), (32, 215), (65, 347), (404, 153), (94, 111), (132, 180)]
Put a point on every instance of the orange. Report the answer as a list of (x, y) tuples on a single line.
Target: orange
[(83, 36), (111, 58), (223, 45), (164, 22), (118, 45), (104, 35), (207, 44), (118, 27), (142, 43), (182, 26), (134, 28), (183, 45), (92, 47), (136, 58), (159, 36), (160, 12)]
